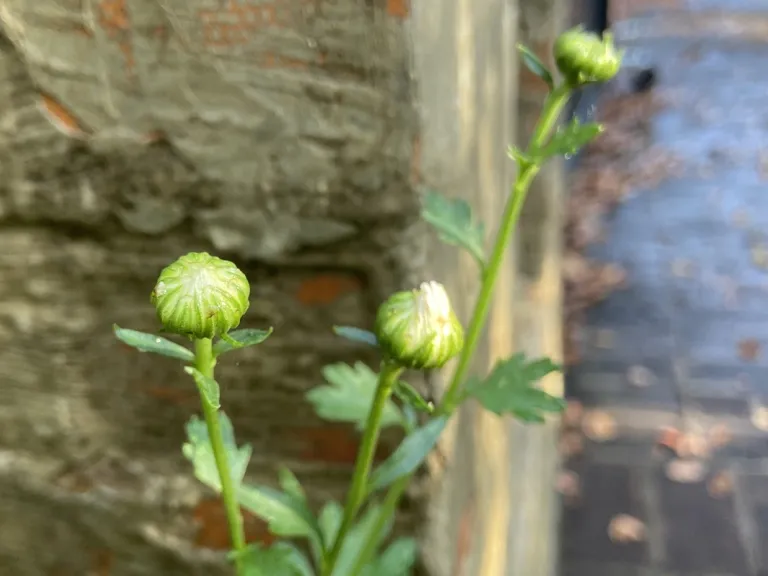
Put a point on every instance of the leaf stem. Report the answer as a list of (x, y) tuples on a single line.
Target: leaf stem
[(387, 378), (205, 362), (550, 113)]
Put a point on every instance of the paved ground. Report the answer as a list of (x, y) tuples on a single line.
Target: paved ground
[(675, 374)]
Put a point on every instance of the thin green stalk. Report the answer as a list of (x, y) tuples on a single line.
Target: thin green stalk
[(550, 113), (388, 508), (205, 362), (387, 378), (551, 110)]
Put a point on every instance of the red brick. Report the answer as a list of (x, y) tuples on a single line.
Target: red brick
[(400, 9), (327, 288), (213, 529), (334, 444)]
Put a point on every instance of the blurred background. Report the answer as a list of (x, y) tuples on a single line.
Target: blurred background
[(295, 137)]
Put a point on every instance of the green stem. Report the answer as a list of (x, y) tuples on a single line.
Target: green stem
[(388, 508), (387, 378), (551, 110), (205, 362), (553, 105)]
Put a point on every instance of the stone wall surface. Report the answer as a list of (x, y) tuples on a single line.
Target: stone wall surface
[(290, 136), (277, 134)]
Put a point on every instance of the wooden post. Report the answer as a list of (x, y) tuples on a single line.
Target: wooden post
[(469, 76)]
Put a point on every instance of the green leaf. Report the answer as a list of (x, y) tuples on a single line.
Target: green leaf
[(569, 139), (511, 389), (286, 514), (410, 419), (356, 335), (240, 339), (209, 388), (349, 395), (290, 484), (144, 342), (452, 218), (329, 522), (535, 65), (355, 540), (410, 396), (399, 558), (199, 452), (280, 559), (408, 455)]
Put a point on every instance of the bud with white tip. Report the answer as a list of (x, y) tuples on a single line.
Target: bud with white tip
[(418, 328)]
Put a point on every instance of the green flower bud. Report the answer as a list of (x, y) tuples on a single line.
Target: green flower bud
[(418, 328), (201, 296), (583, 57)]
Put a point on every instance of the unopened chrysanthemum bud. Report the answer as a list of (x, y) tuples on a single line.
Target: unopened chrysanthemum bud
[(201, 296), (418, 328), (583, 57)]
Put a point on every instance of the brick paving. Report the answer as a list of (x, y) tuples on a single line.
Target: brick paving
[(674, 377)]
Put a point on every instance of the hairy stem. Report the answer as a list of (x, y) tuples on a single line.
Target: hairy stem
[(205, 362), (387, 378)]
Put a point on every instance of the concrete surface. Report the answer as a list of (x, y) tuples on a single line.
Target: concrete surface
[(693, 321)]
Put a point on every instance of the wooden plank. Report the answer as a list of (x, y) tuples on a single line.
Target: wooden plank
[(465, 58), (469, 74)]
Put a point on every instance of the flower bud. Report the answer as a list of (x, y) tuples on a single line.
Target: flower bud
[(201, 296), (583, 57), (418, 329)]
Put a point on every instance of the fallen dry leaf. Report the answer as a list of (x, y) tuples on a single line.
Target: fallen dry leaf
[(682, 268), (624, 529), (599, 426), (641, 376), (720, 436), (749, 349), (721, 484), (685, 471), (572, 413), (759, 253), (605, 339), (740, 219), (759, 417), (668, 438), (692, 445), (762, 164), (570, 444), (569, 485)]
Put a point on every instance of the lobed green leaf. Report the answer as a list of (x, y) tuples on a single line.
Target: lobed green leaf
[(511, 389), (199, 452), (452, 219), (348, 397), (569, 139)]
